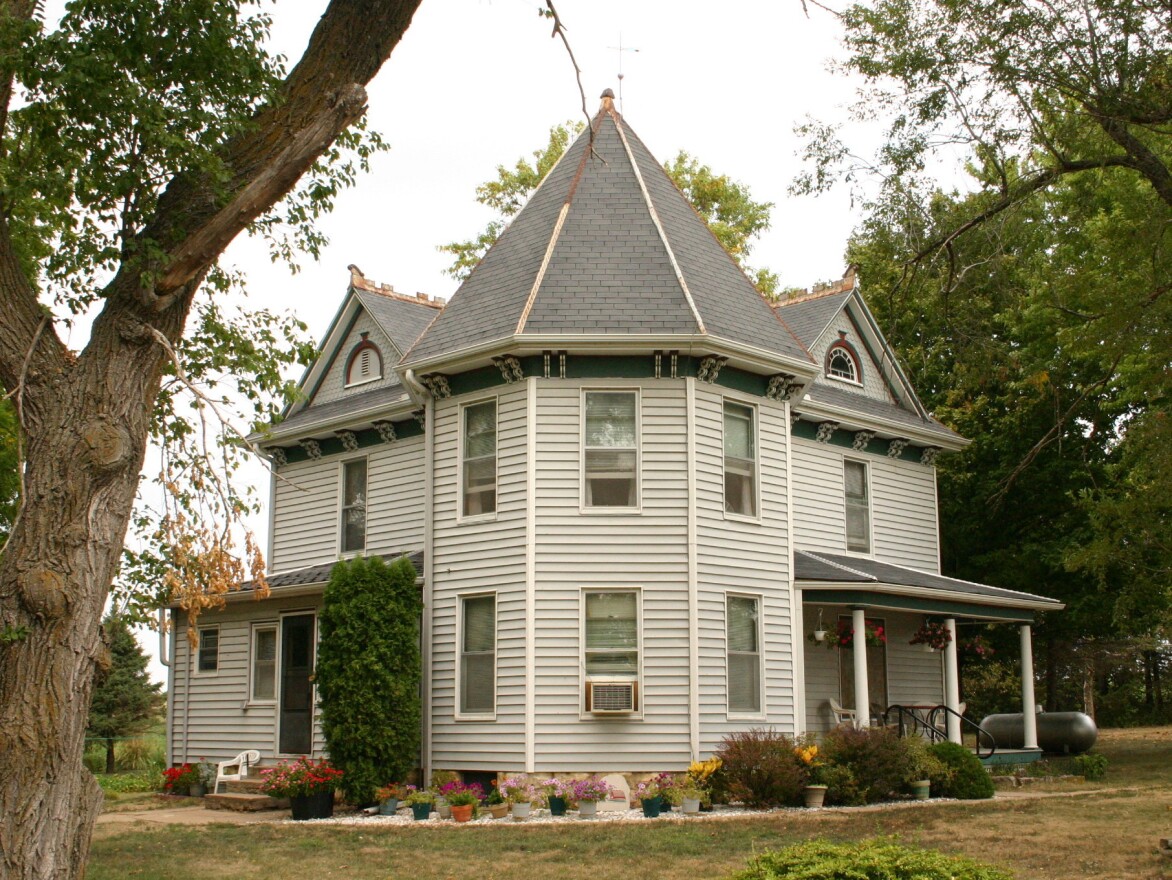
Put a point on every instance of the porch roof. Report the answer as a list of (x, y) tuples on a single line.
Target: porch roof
[(852, 580)]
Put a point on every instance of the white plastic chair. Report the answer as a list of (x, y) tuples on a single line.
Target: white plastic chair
[(843, 716), (236, 769)]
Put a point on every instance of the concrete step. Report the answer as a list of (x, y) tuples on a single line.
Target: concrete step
[(248, 785), (243, 802)]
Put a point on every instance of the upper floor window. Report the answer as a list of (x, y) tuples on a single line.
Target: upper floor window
[(611, 449), (858, 507), (365, 363), (209, 649), (744, 653), (264, 663), (354, 506), (478, 655), (842, 363), (740, 460), (479, 458)]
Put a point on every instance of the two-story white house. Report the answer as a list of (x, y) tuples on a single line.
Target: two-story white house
[(633, 489)]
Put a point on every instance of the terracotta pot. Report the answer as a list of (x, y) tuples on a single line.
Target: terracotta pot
[(462, 812), (499, 811)]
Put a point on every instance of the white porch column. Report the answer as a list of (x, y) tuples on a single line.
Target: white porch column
[(1028, 706), (952, 681), (862, 692)]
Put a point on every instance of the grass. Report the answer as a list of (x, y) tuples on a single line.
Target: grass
[(1098, 831)]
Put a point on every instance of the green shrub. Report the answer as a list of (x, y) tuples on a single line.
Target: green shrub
[(963, 776), (877, 757), (1091, 766), (144, 780), (368, 672), (760, 769), (865, 860), (842, 789)]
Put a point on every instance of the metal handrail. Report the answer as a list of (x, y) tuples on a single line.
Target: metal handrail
[(908, 721), (980, 732)]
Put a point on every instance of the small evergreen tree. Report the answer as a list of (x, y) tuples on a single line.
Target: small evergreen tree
[(125, 700), (368, 672)]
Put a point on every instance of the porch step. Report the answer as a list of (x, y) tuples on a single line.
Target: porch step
[(248, 785), (244, 803), (1012, 756)]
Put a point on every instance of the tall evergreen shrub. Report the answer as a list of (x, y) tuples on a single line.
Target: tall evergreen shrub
[(368, 671)]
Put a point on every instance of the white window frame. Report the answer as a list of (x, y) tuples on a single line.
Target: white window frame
[(594, 510), (490, 515), (274, 627), (852, 356), (740, 714), (847, 504), (342, 508), (461, 714), (355, 353), (638, 678), (754, 414), (195, 666)]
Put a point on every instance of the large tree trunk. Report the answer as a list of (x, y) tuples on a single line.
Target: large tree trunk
[(111, 762)]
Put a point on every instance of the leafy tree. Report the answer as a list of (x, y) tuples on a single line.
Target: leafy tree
[(139, 138), (125, 700), (726, 205), (368, 673)]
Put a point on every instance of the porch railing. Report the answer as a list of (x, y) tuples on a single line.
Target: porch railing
[(913, 720)]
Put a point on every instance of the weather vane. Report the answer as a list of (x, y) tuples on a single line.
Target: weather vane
[(620, 48)]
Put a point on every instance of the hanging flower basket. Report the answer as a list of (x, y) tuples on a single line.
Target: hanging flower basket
[(874, 635), (933, 636), (976, 647)]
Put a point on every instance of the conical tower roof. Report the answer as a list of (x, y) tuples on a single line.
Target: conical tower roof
[(607, 247)]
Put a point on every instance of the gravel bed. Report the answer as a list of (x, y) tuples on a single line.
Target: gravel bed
[(538, 817)]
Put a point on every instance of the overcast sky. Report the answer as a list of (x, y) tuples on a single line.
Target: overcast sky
[(474, 84)]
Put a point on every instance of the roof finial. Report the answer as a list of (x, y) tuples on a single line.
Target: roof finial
[(607, 101)]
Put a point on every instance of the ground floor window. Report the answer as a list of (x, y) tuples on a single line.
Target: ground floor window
[(478, 655)]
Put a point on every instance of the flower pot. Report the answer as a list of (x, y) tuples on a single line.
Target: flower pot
[(197, 790), (521, 811), (420, 811), (312, 806), (388, 807), (928, 648), (557, 806), (651, 807), (691, 806), (819, 635), (921, 789), (587, 809), (443, 808), (815, 795), (498, 811), (462, 812)]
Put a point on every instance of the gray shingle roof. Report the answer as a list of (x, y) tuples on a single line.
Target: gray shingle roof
[(326, 413), (809, 317), (609, 271), (833, 568), (402, 320), (319, 574), (830, 395)]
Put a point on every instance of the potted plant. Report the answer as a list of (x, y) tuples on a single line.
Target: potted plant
[(496, 804), (207, 779), (647, 793), (388, 798), (420, 800), (520, 796), (558, 794), (308, 784), (685, 794), (922, 765), (179, 780), (874, 635), (441, 781), (933, 636), (814, 792), (588, 792), (463, 800), (705, 775)]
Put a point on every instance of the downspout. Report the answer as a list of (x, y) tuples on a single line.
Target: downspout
[(421, 396), (165, 659)]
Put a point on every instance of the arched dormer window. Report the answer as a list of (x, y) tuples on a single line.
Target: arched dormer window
[(365, 363), (842, 362)]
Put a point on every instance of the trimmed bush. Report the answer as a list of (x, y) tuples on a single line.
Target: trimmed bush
[(866, 860), (760, 769), (368, 671), (963, 776), (878, 760), (1091, 766)]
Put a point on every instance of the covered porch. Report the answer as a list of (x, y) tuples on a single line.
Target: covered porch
[(860, 617)]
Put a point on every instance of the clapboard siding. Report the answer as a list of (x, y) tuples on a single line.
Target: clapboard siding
[(742, 557), (333, 384), (645, 551), (819, 505), (306, 515), (476, 556), (914, 677), (211, 718)]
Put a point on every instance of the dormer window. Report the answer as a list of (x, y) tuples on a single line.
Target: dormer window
[(843, 363), (365, 363)]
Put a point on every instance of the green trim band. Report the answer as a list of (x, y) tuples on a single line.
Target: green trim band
[(846, 439), (366, 438), (914, 603)]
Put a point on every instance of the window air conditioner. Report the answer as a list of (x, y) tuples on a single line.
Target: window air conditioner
[(612, 696)]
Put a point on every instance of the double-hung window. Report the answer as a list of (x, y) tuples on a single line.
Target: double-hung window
[(742, 614), (858, 507), (264, 663), (479, 458), (612, 633), (209, 649), (611, 449), (478, 655), (353, 524), (740, 460)]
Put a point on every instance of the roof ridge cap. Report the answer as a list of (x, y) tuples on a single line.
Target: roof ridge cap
[(839, 565), (818, 294)]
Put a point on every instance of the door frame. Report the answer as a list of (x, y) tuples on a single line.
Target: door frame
[(298, 612)]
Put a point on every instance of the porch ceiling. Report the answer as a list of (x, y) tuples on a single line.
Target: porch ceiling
[(850, 580)]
